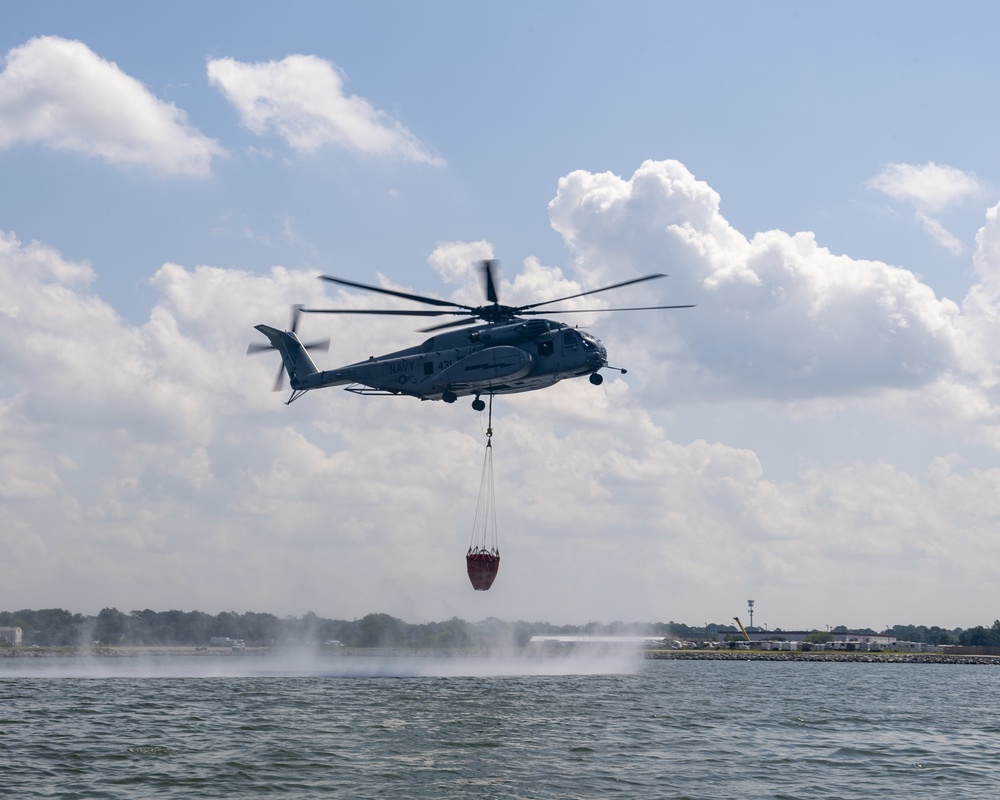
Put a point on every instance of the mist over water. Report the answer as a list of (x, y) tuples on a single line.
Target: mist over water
[(303, 726), (307, 663)]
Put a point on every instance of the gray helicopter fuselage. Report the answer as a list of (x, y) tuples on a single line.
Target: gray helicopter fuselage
[(500, 358)]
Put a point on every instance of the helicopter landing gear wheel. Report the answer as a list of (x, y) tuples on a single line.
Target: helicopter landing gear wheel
[(449, 397), (596, 378), (478, 405)]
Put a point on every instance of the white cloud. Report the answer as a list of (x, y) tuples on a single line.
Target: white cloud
[(301, 99), (454, 261), (930, 188), (980, 354), (940, 234), (778, 316), (59, 93)]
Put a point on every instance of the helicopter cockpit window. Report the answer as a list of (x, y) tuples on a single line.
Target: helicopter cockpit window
[(545, 348), (569, 338)]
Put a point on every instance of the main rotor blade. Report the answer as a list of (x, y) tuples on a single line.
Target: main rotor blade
[(382, 311), (456, 324), (586, 310), (595, 291), (433, 301), (489, 285)]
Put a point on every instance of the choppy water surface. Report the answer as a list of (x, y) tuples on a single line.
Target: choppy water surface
[(436, 728)]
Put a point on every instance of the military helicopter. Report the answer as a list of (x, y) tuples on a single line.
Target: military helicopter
[(504, 354)]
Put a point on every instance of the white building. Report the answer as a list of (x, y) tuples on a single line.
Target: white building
[(566, 639), (11, 636)]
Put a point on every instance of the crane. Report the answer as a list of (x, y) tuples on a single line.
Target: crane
[(742, 629)]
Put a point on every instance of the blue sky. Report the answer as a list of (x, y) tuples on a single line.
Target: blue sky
[(820, 433)]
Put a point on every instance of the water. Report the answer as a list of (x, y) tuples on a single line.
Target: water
[(443, 728)]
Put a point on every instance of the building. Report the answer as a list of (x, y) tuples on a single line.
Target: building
[(850, 637), (569, 640), (11, 636)]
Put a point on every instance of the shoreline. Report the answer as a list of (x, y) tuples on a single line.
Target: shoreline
[(167, 651), (838, 655)]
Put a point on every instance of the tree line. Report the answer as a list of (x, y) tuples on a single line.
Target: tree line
[(57, 627)]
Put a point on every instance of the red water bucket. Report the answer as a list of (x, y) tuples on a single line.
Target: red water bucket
[(482, 566)]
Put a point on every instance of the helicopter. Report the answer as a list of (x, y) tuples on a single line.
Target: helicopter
[(498, 350)]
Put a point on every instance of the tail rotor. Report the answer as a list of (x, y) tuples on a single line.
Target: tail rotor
[(256, 347)]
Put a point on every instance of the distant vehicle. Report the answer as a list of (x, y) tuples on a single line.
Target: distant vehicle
[(505, 355)]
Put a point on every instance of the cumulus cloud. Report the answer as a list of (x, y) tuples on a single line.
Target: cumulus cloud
[(981, 306), (59, 93), (930, 188), (778, 316), (301, 99)]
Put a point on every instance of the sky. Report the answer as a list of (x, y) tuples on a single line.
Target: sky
[(819, 434)]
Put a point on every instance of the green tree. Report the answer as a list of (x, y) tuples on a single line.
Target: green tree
[(380, 630), (49, 627), (976, 637), (110, 627)]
